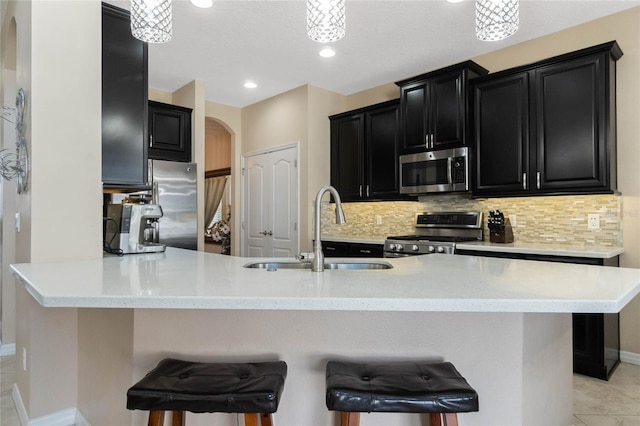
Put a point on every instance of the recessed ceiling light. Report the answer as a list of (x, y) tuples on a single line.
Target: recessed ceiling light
[(202, 3), (250, 85), (455, 1), (327, 52)]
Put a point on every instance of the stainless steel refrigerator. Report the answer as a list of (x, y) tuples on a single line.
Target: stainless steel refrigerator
[(177, 195)]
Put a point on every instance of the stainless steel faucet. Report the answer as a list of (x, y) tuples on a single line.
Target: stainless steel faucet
[(317, 263)]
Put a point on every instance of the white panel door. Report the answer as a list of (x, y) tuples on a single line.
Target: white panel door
[(270, 210), (256, 190)]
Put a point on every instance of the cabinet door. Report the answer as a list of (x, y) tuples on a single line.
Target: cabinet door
[(347, 156), (365, 250), (169, 132), (572, 125), (335, 249), (382, 153), (501, 133), (447, 111), (124, 102), (414, 124)]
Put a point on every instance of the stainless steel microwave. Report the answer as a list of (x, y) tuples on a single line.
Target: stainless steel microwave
[(445, 170)]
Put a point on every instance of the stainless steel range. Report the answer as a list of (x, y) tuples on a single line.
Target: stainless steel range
[(436, 233)]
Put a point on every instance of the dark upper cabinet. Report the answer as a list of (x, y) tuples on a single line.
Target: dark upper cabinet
[(548, 127), (124, 102), (169, 132), (434, 108), (502, 124), (364, 153)]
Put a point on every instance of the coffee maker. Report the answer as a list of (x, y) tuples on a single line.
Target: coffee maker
[(133, 227)]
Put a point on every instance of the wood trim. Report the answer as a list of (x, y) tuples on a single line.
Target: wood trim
[(217, 173)]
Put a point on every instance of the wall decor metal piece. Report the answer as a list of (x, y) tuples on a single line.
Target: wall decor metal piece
[(14, 163)]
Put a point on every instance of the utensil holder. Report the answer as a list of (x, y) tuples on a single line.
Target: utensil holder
[(504, 235)]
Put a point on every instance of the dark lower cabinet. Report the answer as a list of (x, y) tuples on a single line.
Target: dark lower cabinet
[(169, 132), (596, 337), (124, 103), (549, 127), (344, 249)]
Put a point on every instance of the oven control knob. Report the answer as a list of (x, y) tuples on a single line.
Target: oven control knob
[(392, 246), (440, 249), (415, 248), (399, 247), (432, 249)]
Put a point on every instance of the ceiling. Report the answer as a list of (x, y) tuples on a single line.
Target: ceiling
[(386, 40)]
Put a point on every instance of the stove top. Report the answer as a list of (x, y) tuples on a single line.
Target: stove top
[(436, 233), (444, 239)]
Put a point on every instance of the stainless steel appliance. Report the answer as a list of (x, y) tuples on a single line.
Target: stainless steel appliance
[(132, 227), (175, 186), (445, 170), (436, 233)]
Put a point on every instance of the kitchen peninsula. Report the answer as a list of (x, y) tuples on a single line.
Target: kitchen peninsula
[(505, 324)]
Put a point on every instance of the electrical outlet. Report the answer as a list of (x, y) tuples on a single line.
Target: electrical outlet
[(513, 220), (24, 359), (593, 221), (17, 222), (378, 219)]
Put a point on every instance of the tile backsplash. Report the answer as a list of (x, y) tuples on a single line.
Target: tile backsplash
[(558, 220)]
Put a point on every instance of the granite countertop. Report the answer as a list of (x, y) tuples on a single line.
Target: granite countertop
[(185, 279)]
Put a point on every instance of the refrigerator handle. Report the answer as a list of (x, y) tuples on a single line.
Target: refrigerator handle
[(155, 196), (149, 171)]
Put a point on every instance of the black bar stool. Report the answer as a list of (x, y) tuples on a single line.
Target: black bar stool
[(179, 386), (438, 389)]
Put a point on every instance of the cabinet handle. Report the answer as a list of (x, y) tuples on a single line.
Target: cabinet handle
[(329, 248), (361, 190), (432, 142), (367, 190), (538, 180), (266, 233), (365, 251), (524, 181), (151, 141), (427, 141)]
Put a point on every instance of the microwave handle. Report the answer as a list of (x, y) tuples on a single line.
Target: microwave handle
[(450, 170)]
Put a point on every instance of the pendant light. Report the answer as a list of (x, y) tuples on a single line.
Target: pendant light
[(496, 19), (325, 20), (151, 20)]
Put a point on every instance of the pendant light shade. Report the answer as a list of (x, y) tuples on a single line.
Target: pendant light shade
[(325, 20), (151, 20), (496, 19)]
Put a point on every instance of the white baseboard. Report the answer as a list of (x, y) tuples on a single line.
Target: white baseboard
[(630, 357), (17, 400), (7, 349), (68, 417)]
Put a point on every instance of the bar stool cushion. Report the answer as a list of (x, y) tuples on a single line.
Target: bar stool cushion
[(399, 388), (176, 385)]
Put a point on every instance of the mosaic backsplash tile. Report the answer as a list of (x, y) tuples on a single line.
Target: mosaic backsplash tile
[(557, 220)]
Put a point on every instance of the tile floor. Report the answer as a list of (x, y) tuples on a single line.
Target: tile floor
[(596, 402)]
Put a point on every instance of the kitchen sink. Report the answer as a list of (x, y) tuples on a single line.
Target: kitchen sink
[(274, 266)]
